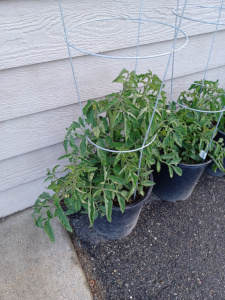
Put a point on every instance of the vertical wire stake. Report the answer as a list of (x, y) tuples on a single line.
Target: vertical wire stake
[(173, 58), (214, 132), (211, 49), (138, 37), (210, 53), (71, 62), (161, 87)]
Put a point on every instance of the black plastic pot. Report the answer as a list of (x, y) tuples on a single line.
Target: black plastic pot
[(178, 187), (218, 172), (122, 223)]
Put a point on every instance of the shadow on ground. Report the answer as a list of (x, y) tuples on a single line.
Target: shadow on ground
[(175, 252)]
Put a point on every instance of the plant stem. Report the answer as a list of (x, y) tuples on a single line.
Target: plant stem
[(110, 124), (112, 116), (115, 191)]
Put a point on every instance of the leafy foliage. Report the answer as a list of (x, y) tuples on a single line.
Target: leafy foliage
[(208, 96), (96, 179), (188, 132)]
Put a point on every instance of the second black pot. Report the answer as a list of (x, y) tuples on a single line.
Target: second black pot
[(178, 187), (122, 223), (218, 172)]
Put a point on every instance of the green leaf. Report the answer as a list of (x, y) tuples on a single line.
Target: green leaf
[(91, 117), (91, 210), (91, 176), (134, 177), (38, 222), (158, 166), (167, 156), (116, 179), (87, 106), (178, 170), (83, 146), (108, 140), (105, 173), (134, 119), (127, 127), (102, 126), (175, 161), (142, 112), (96, 131), (70, 211), (124, 194), (144, 174), (203, 120), (173, 106), (166, 140), (75, 125), (121, 201), (120, 78), (77, 205), (54, 169), (118, 158), (101, 153), (110, 104), (170, 171), (123, 170), (56, 201), (45, 195), (117, 120), (81, 121), (218, 164), (97, 193), (222, 98), (156, 152), (124, 71), (62, 218), (118, 145), (49, 214), (48, 229), (181, 129), (108, 194), (65, 145), (64, 156), (218, 149), (72, 142), (108, 207), (178, 138), (151, 160), (117, 169), (89, 168)]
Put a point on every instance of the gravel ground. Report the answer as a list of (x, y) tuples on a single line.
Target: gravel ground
[(176, 251)]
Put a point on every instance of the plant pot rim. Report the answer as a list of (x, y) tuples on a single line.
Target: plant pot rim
[(195, 165), (132, 205)]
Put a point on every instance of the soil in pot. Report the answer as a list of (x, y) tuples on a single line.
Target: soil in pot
[(122, 223), (178, 187), (218, 172)]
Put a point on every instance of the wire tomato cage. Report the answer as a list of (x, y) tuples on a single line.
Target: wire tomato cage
[(177, 12), (136, 58)]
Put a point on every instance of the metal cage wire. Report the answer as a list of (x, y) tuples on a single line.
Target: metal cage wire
[(171, 54), (176, 13), (173, 49), (218, 23)]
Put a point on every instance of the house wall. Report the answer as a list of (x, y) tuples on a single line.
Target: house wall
[(37, 95)]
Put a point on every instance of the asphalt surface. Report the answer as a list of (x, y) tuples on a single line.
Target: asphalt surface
[(176, 251)]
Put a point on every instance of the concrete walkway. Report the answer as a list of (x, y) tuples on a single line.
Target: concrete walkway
[(31, 267)]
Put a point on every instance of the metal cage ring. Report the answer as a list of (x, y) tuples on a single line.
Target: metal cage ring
[(125, 57)]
